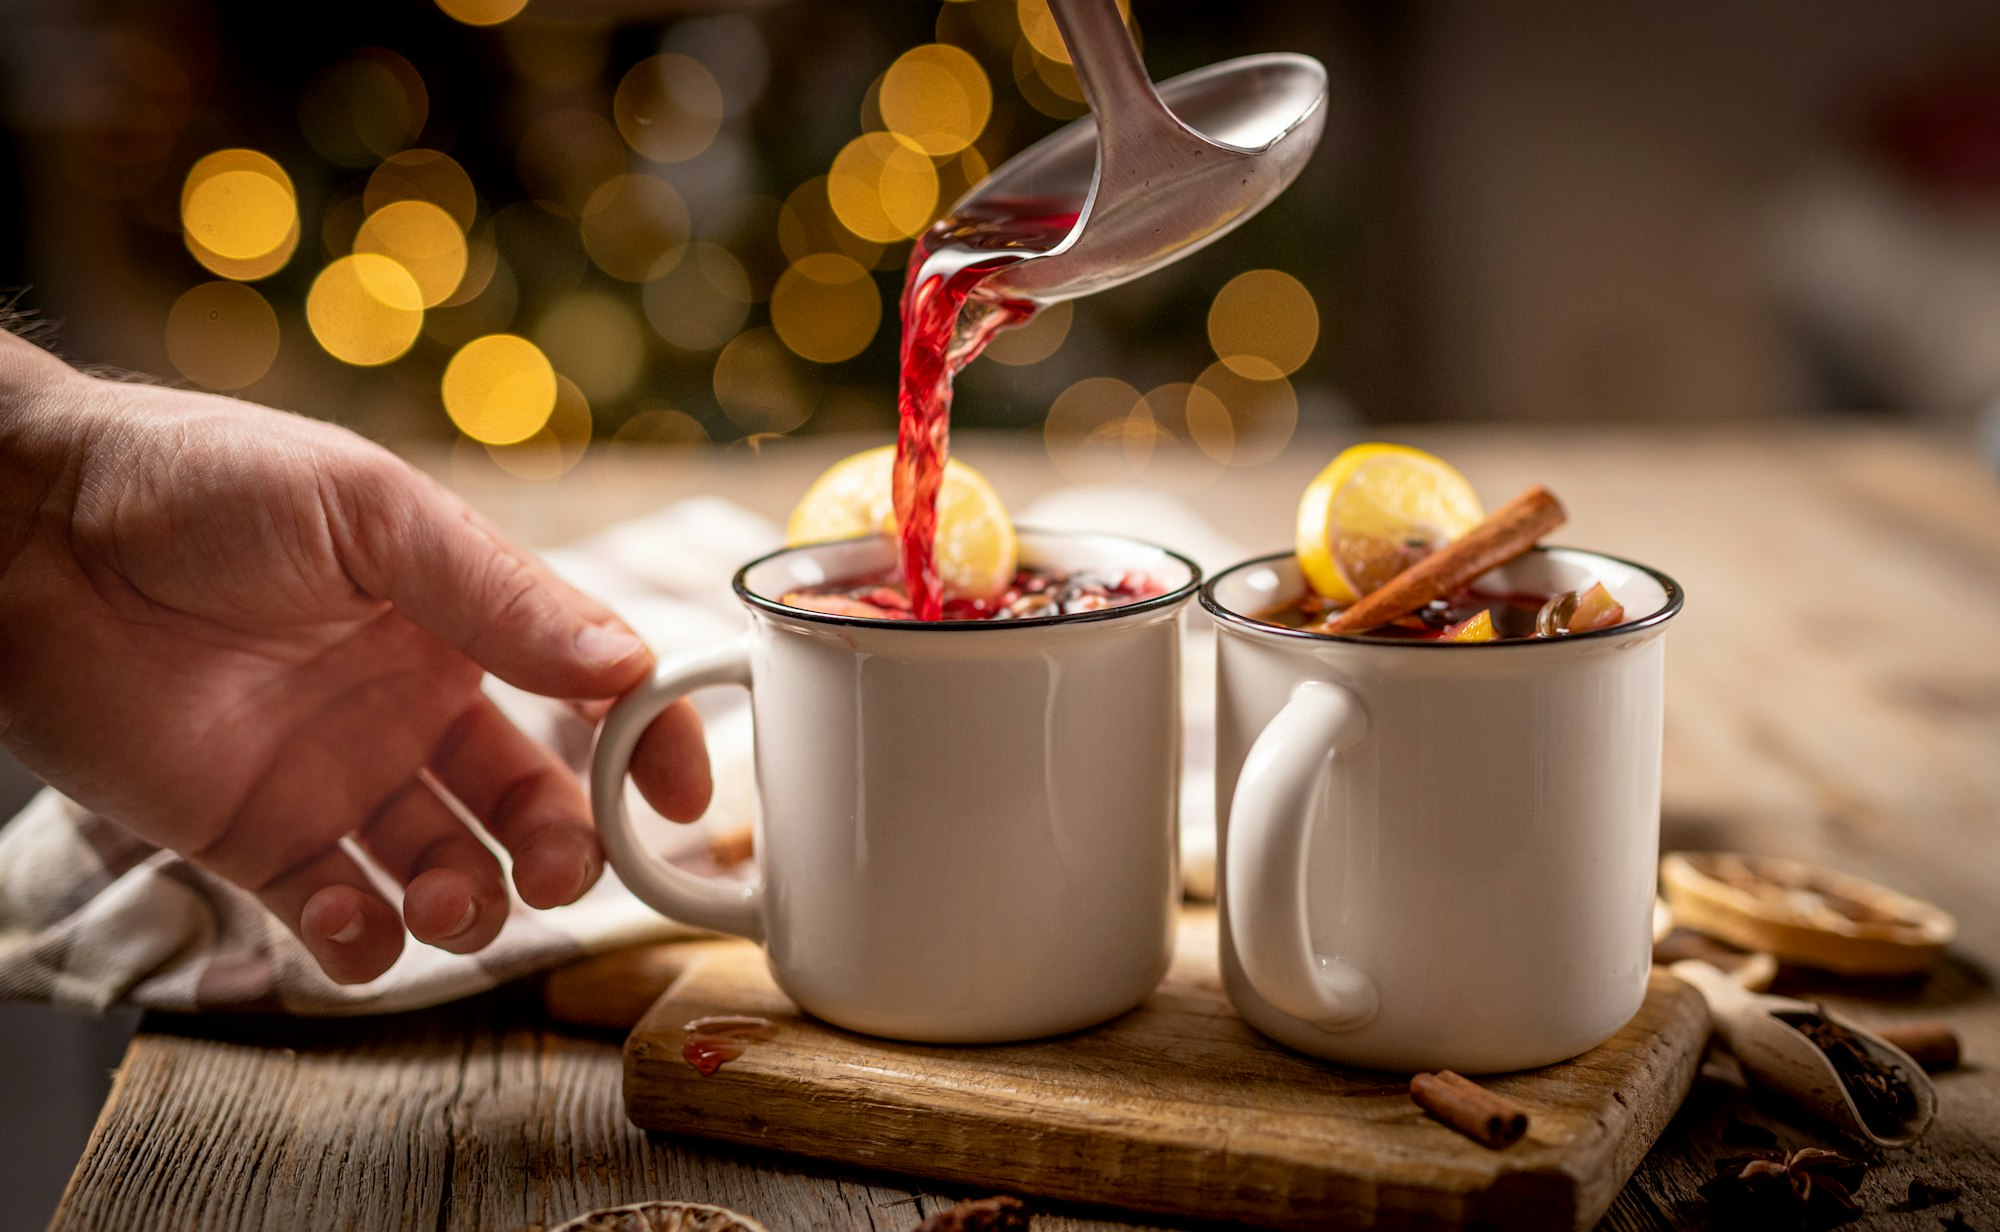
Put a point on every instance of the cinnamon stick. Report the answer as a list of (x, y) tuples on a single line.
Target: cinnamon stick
[(1933, 1045), (1488, 1119), (1507, 532)]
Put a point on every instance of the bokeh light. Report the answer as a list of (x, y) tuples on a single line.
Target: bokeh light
[(489, 310), (239, 214), (364, 108), (482, 12), (424, 175), (597, 340), (656, 426), (634, 227), (806, 225), (701, 302), (826, 308), (555, 447), (564, 155), (1034, 342), (762, 386), (222, 335), (1263, 324), (1085, 418), (1262, 414), (499, 389), (365, 309), (882, 187), (421, 238), (938, 96), (668, 108), (558, 54)]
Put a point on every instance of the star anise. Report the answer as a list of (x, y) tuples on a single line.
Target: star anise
[(1810, 1188)]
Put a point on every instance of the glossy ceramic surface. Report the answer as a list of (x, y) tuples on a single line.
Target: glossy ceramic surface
[(967, 830), (1439, 856)]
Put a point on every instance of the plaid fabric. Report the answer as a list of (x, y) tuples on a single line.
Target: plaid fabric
[(91, 917)]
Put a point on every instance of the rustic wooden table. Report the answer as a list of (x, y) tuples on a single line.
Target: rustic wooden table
[(1834, 694)]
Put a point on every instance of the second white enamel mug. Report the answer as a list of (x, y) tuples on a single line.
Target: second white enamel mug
[(967, 830), (1439, 856)]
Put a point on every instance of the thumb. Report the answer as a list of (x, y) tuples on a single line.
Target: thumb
[(403, 538)]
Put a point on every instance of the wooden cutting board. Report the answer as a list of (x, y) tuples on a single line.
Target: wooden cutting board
[(1177, 1107)]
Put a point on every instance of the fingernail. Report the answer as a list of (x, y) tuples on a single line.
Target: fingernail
[(464, 921), (606, 645), (347, 932)]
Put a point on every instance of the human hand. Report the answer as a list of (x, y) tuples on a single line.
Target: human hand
[(246, 635)]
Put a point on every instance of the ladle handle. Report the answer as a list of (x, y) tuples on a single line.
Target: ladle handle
[(1107, 63)]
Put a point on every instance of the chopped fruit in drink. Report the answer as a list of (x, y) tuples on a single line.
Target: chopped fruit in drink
[(1032, 593), (1375, 510), (844, 605), (976, 548), (1478, 629), (1595, 609)]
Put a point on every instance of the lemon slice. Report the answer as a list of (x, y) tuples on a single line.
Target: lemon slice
[(976, 549), (1373, 511)]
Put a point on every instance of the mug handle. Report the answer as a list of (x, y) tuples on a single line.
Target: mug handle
[(705, 902), (1264, 864)]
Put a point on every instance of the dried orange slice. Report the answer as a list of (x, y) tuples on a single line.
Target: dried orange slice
[(1804, 914), (663, 1217)]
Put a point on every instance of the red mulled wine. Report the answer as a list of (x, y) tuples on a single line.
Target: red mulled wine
[(1032, 593), (947, 322), (1471, 615)]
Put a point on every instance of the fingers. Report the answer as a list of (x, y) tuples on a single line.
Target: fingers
[(454, 896), (403, 538), (527, 800), (350, 930), (670, 765)]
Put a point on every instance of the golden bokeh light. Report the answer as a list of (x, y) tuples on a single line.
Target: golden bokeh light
[(826, 307), (1209, 425), (558, 445), (499, 389), (481, 12), (668, 107), (424, 175), (1087, 428), (1262, 414), (655, 427), (1173, 457), (365, 309), (364, 108), (762, 386), (239, 214), (1049, 86), (481, 260), (701, 302), (634, 227), (938, 96), (222, 335), (806, 225), (421, 238), (557, 53), (1034, 342), (597, 340), (956, 176), (565, 154), (1039, 29), (1263, 324), (882, 187)]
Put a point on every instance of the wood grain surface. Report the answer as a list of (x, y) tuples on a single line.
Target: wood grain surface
[(1809, 714), (1177, 1107)]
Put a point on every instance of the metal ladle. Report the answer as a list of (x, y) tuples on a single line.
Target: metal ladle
[(1780, 1058), (1175, 169)]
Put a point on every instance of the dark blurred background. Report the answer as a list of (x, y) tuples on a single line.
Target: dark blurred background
[(696, 215)]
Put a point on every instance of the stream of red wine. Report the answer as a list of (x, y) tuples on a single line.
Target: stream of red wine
[(947, 322)]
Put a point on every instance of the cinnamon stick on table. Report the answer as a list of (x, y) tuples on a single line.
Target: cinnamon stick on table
[(1507, 532), (1933, 1045), (1488, 1119)]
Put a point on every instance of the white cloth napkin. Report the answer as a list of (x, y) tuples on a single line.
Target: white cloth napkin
[(91, 917)]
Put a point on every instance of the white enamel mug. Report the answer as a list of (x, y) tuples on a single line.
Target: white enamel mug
[(1439, 855), (967, 830)]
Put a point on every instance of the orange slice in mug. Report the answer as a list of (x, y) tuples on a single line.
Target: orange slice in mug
[(1374, 511)]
